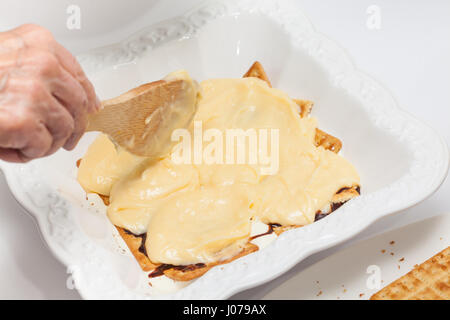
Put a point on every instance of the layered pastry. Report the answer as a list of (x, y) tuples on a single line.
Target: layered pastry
[(180, 218)]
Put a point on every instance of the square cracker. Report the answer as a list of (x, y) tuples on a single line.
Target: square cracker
[(428, 281)]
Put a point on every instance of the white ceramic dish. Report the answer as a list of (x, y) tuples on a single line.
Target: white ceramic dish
[(401, 160)]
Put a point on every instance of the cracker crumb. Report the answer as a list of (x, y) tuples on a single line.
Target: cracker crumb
[(383, 251), (391, 253), (345, 290), (150, 284), (392, 243), (361, 295), (320, 292), (398, 266), (401, 260)]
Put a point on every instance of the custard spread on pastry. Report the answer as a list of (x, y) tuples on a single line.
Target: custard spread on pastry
[(200, 212)]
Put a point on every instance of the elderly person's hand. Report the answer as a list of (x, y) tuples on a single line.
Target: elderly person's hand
[(44, 95)]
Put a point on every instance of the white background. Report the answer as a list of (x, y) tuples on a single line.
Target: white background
[(410, 55)]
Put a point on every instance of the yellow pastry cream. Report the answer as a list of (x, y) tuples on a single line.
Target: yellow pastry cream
[(201, 211)]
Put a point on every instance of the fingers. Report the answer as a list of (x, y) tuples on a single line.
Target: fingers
[(70, 91), (23, 137), (71, 65), (59, 123), (64, 89), (78, 105), (67, 91), (32, 138), (80, 128), (39, 145), (72, 96), (11, 155)]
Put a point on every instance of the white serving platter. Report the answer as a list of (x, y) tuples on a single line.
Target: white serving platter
[(401, 160)]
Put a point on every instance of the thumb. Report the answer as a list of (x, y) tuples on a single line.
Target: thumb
[(12, 155)]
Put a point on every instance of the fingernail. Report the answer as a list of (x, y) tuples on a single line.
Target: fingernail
[(69, 145), (98, 103)]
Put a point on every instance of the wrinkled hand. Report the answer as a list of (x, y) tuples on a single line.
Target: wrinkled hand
[(44, 95)]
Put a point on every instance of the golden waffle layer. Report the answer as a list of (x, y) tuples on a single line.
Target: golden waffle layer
[(428, 281)]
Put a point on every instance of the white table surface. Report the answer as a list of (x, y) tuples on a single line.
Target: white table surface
[(410, 55)]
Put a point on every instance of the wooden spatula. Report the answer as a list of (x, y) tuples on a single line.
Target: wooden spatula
[(142, 120)]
